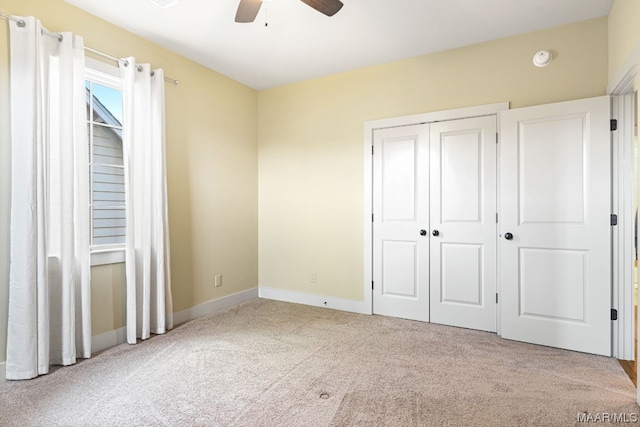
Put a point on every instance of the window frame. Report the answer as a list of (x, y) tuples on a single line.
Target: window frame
[(106, 75)]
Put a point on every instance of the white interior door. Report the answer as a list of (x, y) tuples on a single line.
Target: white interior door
[(401, 211), (555, 245), (463, 223)]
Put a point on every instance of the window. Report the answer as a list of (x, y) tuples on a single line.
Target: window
[(106, 166)]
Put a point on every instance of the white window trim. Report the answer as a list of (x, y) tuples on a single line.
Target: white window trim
[(109, 75), (104, 256), (105, 73)]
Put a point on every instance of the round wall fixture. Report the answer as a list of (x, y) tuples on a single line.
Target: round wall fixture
[(542, 58)]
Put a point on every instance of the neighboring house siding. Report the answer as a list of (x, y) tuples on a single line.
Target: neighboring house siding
[(108, 213)]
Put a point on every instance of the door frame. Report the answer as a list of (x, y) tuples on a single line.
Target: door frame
[(622, 235), (369, 127), (623, 83), (621, 88)]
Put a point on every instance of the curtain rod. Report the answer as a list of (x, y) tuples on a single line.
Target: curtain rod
[(21, 23), (125, 62)]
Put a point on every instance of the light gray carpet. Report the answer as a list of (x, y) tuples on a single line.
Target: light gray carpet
[(267, 363)]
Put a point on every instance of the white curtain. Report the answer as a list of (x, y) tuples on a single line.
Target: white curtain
[(49, 286), (149, 304)]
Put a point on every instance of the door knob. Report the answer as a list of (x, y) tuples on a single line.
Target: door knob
[(508, 236), (423, 232), (436, 233)]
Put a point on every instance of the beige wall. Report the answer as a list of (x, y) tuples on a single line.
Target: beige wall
[(311, 140), (108, 302), (624, 33), (211, 167)]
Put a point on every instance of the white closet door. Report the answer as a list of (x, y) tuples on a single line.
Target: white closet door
[(401, 211), (463, 223)]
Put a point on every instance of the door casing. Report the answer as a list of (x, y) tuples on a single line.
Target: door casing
[(624, 82)]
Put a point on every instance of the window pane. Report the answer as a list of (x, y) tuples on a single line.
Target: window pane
[(107, 105), (108, 213), (108, 186), (102, 173), (106, 198), (107, 145), (109, 240), (104, 128), (109, 225), (89, 136)]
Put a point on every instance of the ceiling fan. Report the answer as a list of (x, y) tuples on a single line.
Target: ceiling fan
[(248, 9)]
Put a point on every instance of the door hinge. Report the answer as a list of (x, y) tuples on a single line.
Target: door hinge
[(614, 124), (496, 297), (372, 284), (614, 219), (496, 137), (371, 217), (372, 150), (496, 217), (614, 314)]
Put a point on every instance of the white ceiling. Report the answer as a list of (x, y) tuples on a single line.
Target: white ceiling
[(300, 43)]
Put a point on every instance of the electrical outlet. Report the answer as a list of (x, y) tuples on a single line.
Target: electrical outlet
[(218, 280), (313, 278)]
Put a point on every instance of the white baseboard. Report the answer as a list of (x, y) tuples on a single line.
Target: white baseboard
[(108, 339), (212, 306), (112, 338), (314, 300)]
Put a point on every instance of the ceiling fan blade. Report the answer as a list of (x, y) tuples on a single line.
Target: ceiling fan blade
[(248, 10), (328, 7)]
